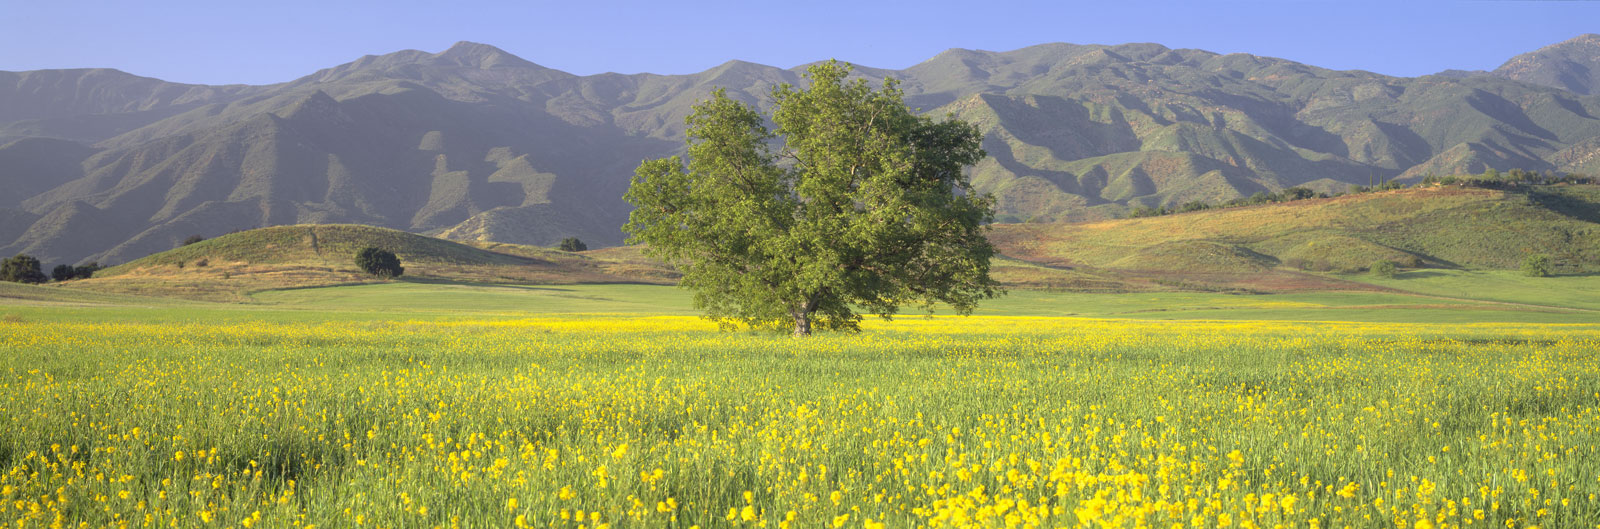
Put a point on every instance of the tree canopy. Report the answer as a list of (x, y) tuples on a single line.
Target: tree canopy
[(852, 202), (379, 262), (22, 268)]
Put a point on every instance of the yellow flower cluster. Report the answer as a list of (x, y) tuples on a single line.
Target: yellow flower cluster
[(610, 421)]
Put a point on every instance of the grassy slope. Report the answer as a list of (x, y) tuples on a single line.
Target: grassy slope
[(229, 267), (1439, 227)]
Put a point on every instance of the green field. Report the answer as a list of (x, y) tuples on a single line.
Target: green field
[(440, 404)]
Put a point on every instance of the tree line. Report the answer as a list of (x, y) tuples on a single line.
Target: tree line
[(24, 268)]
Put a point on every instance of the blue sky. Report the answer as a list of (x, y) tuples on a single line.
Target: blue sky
[(223, 41)]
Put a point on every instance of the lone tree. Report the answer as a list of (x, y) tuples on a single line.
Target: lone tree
[(379, 262), (1383, 268), (852, 202), (1537, 265), (21, 268), (572, 244)]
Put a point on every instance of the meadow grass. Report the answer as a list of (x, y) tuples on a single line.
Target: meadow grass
[(441, 299), (291, 417)]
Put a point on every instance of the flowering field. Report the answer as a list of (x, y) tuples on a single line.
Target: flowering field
[(597, 421)]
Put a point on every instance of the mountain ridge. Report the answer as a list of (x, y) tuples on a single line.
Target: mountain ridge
[(473, 142)]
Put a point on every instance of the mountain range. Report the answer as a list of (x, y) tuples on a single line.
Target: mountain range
[(474, 143)]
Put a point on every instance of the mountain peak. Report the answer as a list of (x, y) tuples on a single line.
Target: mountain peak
[(1572, 65), (484, 56)]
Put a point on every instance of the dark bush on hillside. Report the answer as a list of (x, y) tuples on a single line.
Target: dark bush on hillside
[(381, 263), (63, 272), (1537, 265), (1383, 268), (191, 240), (572, 244), (86, 271), (22, 268)]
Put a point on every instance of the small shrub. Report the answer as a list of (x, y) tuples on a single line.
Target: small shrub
[(21, 268), (572, 244), (1383, 268), (191, 240), (1537, 265), (378, 262), (202, 262)]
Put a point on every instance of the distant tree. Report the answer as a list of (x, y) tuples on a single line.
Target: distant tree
[(1298, 193), (572, 244), (86, 271), (1537, 265), (1383, 268), (22, 268), (191, 240), (379, 262), (63, 272)]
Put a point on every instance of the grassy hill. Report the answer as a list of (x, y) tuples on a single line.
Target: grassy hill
[(229, 267), (1269, 246)]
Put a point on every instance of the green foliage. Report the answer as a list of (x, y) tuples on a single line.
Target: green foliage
[(1537, 265), (21, 268), (86, 271), (1383, 268), (379, 262), (191, 240), (572, 244), (63, 272), (862, 204)]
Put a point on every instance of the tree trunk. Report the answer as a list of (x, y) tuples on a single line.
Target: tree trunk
[(802, 323)]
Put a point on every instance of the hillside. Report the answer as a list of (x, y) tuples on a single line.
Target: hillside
[(1572, 65), (1268, 247), (229, 267), (473, 143)]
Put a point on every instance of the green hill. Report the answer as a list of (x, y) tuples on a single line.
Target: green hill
[(1270, 246), (228, 267)]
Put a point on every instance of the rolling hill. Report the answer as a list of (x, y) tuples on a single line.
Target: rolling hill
[(229, 267), (473, 143), (1273, 246)]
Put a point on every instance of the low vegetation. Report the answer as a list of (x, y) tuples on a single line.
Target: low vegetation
[(633, 422)]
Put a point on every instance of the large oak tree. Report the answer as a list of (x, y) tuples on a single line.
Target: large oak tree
[(852, 203)]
